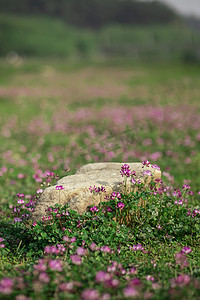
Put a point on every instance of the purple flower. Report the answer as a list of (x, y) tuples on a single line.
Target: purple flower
[(150, 278), (93, 247), (55, 265), (67, 286), (90, 294), (105, 296), (132, 271), (80, 251), (125, 170), (137, 247), (103, 190), (186, 250), (102, 276), (109, 208), (155, 167), (6, 285), (159, 226), (180, 281), (120, 205), (40, 191), (181, 259), (20, 201), (105, 249), (41, 266), (17, 220), (146, 163), (60, 248), (186, 187), (44, 277), (112, 283), (130, 292), (20, 195), (135, 281), (76, 260), (133, 181), (94, 208), (97, 189), (180, 202), (20, 176), (73, 239), (59, 187), (147, 173)]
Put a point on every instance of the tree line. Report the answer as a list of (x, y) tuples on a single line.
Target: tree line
[(94, 13)]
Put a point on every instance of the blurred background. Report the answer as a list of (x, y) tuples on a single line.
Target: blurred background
[(86, 81), (164, 30)]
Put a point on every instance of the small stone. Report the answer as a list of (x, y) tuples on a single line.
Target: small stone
[(76, 191)]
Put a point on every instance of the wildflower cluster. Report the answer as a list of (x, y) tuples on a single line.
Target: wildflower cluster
[(122, 224)]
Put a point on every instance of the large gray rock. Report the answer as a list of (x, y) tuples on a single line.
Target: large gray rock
[(76, 187)]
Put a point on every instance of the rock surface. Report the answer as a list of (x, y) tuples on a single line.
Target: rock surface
[(76, 187)]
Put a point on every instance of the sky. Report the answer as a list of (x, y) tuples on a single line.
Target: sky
[(185, 7)]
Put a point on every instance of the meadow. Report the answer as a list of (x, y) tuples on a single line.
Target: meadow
[(57, 115)]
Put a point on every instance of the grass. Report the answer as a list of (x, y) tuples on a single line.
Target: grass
[(56, 114), (49, 37)]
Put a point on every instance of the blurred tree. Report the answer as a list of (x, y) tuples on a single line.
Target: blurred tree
[(94, 13)]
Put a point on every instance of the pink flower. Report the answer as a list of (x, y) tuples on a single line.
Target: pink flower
[(6, 285), (180, 281), (120, 205), (155, 167), (147, 173), (90, 294), (186, 250), (146, 163), (55, 265), (93, 247), (17, 220), (67, 286), (181, 259), (20, 175), (125, 170), (20, 201), (94, 208), (102, 276), (59, 187), (20, 195), (41, 266), (76, 260), (112, 283), (150, 278), (159, 226), (130, 292), (44, 277), (80, 251), (105, 249), (133, 181), (137, 247), (40, 191)]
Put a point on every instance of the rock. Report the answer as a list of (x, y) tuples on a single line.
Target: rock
[(76, 187)]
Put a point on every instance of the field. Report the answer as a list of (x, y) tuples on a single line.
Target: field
[(57, 115)]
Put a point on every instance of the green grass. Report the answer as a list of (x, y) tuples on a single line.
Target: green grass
[(56, 114), (48, 37)]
